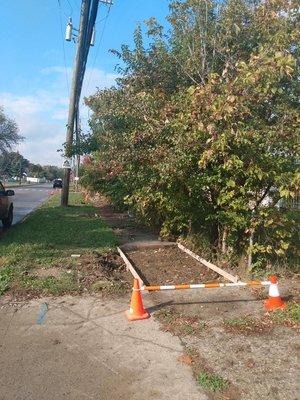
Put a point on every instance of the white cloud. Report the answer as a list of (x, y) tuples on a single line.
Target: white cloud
[(56, 69), (60, 114), (20, 105), (42, 116), (95, 78)]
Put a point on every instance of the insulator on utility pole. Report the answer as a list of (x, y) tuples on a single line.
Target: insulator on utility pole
[(93, 38), (69, 30), (88, 16)]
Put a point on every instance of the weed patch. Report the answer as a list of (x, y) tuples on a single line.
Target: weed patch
[(216, 387), (288, 317), (212, 382), (247, 325), (179, 324)]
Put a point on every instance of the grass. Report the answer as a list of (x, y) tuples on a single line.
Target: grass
[(249, 325), (6, 275), (212, 382), (47, 239), (205, 377), (291, 315), (239, 322), (17, 184)]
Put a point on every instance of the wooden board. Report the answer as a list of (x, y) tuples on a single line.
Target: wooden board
[(208, 264), (130, 267)]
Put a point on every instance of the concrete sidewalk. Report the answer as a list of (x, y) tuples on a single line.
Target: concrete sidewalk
[(84, 348)]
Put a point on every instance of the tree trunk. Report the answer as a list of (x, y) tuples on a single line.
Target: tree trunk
[(249, 258), (224, 240)]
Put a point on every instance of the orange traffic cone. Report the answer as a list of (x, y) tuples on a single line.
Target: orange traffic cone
[(136, 310), (274, 302)]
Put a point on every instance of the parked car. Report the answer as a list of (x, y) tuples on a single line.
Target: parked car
[(6, 206), (57, 183)]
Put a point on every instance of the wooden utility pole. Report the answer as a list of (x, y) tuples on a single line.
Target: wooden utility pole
[(88, 18), (75, 92)]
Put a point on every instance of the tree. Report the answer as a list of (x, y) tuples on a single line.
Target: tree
[(13, 164), (8, 132), (202, 132)]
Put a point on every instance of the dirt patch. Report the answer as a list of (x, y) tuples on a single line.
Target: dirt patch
[(243, 358), (95, 266), (248, 325), (124, 225), (222, 390), (104, 273), (180, 324), (256, 353), (170, 265), (48, 272)]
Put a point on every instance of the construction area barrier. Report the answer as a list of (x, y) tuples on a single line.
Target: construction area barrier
[(211, 285), (137, 310)]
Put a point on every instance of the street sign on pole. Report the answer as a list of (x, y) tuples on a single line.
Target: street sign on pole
[(67, 163)]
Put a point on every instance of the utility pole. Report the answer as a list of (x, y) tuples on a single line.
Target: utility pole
[(75, 93), (77, 157), (88, 17), (20, 183)]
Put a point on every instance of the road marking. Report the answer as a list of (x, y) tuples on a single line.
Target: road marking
[(42, 314)]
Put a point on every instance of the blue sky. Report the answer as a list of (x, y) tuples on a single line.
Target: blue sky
[(34, 80)]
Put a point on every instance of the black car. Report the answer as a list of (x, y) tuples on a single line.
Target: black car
[(6, 206), (57, 183)]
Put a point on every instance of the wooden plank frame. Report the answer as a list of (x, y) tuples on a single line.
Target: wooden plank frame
[(130, 267), (207, 264)]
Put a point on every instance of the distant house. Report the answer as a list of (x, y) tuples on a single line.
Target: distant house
[(35, 180)]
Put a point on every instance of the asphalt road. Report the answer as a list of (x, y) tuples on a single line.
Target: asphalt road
[(26, 199)]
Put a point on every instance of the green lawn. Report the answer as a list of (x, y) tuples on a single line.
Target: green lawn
[(15, 184), (47, 239)]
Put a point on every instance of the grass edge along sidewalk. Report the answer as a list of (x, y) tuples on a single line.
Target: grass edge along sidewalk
[(35, 256)]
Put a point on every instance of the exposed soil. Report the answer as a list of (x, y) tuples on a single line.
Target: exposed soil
[(105, 274), (199, 365), (257, 357), (97, 266), (249, 326), (123, 224), (226, 333), (53, 272), (170, 265)]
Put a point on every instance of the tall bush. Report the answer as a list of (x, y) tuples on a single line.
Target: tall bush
[(202, 131)]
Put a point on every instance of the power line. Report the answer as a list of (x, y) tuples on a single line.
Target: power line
[(79, 63), (62, 10), (88, 16), (98, 47), (63, 46), (71, 8)]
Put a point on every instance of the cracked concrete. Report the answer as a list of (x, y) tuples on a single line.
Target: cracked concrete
[(86, 349)]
